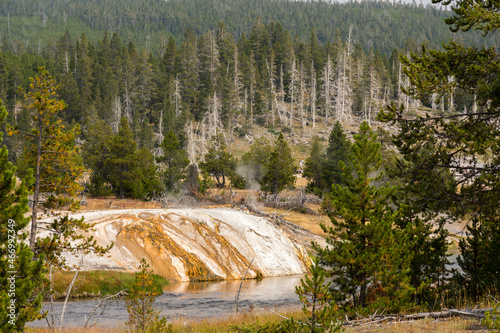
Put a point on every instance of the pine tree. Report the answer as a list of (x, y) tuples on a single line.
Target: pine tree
[(479, 257), (50, 150), (280, 168), (313, 169), (95, 151), (175, 161), (255, 161), (317, 300), (121, 164), (142, 315), (449, 162), (218, 161), (190, 73), (131, 172), (20, 274), (338, 150), (83, 75), (366, 257)]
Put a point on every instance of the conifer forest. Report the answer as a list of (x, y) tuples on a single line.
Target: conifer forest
[(381, 117)]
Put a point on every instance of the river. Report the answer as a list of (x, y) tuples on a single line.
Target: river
[(195, 300)]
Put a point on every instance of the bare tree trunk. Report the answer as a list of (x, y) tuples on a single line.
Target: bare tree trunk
[(36, 193), (53, 315), (313, 95), (451, 106), (282, 98), (270, 70), (327, 87), (117, 113), (252, 89), (177, 96), (433, 101), (237, 298), (302, 96), (160, 125), (292, 88), (68, 292)]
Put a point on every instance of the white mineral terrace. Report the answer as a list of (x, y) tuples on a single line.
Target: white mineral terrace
[(192, 244)]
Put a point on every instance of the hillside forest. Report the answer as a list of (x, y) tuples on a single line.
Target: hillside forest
[(129, 111)]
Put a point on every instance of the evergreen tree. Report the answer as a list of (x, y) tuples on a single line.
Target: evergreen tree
[(255, 161), (95, 151), (143, 316), (479, 257), (449, 161), (175, 161), (316, 297), (121, 165), (20, 274), (313, 169), (50, 150), (130, 171), (367, 258), (338, 150), (280, 168), (218, 161)]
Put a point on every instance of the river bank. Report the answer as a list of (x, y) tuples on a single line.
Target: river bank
[(100, 283), (187, 301)]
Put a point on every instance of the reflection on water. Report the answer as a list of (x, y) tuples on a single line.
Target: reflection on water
[(193, 300)]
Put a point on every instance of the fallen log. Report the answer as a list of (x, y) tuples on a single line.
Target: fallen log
[(445, 313)]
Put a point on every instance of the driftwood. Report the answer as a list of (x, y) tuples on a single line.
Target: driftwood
[(284, 201), (398, 318)]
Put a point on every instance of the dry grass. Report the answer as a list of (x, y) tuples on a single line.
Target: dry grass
[(309, 222), (300, 182), (223, 325), (454, 325)]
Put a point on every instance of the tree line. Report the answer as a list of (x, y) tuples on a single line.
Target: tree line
[(212, 82), (382, 25)]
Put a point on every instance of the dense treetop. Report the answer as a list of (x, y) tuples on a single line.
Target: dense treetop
[(382, 25)]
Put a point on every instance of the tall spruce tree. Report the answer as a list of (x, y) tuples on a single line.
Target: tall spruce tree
[(175, 161), (478, 257), (94, 152), (313, 169), (20, 273), (449, 161), (130, 171), (316, 297), (280, 168), (50, 150), (338, 150), (366, 257)]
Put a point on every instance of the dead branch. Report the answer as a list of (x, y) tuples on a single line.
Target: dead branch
[(237, 298), (397, 318), (120, 293)]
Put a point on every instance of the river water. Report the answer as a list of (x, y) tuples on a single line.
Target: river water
[(196, 300)]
